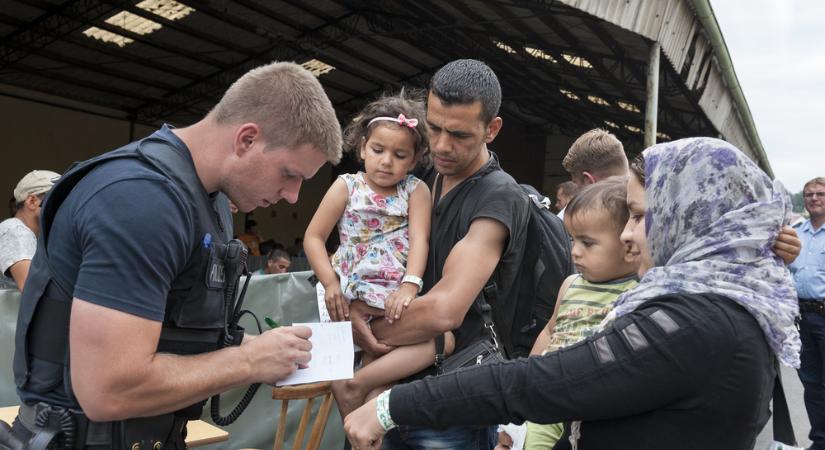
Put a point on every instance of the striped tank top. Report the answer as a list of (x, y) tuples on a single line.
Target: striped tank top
[(582, 309)]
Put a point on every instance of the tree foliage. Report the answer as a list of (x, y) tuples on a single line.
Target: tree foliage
[(798, 202)]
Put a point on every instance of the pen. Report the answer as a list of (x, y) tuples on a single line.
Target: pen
[(272, 324)]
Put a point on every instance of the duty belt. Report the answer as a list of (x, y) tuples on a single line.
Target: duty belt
[(70, 428), (815, 306)]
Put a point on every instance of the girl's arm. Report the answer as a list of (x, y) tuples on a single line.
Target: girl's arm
[(326, 216), (544, 337), (419, 219)]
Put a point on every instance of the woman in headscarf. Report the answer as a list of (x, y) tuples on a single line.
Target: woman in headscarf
[(687, 360)]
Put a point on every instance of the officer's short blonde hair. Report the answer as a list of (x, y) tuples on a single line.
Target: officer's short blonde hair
[(289, 105)]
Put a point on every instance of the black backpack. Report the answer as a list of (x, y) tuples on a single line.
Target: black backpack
[(547, 262)]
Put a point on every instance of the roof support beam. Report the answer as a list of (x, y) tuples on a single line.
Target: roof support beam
[(546, 68), (119, 55), (485, 50), (210, 86), (595, 26), (652, 104), (87, 20), (180, 27), (46, 29)]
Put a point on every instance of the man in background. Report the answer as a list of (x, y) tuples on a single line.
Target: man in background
[(809, 275), (18, 235), (564, 193), (594, 156), (251, 238), (277, 262)]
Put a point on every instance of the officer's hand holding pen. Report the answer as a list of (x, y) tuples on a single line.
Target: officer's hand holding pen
[(278, 352)]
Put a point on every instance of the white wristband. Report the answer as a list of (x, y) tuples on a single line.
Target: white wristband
[(414, 280)]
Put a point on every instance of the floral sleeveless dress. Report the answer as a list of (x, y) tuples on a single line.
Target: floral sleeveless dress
[(375, 241)]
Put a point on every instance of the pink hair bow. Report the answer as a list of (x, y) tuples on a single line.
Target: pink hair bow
[(403, 120)]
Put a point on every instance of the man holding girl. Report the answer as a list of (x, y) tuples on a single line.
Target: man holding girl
[(479, 221)]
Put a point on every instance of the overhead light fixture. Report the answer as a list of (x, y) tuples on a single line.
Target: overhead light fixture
[(540, 54), (504, 47), (577, 60), (107, 36), (569, 94), (633, 129), (168, 9), (317, 67), (663, 136), (598, 100), (628, 106), (611, 124)]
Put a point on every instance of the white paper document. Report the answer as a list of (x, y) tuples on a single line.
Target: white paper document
[(332, 354)]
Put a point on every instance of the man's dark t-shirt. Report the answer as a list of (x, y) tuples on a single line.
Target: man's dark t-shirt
[(489, 193)]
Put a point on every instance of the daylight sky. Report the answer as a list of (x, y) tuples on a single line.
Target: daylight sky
[(778, 51)]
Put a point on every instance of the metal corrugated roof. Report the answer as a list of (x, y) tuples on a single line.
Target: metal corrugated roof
[(566, 70), (692, 44)]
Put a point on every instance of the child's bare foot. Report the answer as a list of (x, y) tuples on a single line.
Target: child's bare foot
[(348, 395)]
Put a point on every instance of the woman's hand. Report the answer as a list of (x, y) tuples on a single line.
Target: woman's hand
[(337, 305), (399, 300), (362, 427)]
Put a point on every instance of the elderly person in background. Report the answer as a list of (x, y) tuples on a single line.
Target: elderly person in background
[(809, 274), (18, 235)]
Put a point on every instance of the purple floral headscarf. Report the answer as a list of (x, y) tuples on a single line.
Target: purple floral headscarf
[(712, 218)]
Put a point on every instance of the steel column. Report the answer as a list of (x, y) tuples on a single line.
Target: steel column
[(652, 107)]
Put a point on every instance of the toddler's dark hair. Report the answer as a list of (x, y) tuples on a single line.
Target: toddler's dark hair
[(407, 102), (609, 195)]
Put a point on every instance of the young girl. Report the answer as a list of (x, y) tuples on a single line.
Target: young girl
[(383, 215)]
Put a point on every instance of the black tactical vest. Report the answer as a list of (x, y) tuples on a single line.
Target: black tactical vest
[(195, 309)]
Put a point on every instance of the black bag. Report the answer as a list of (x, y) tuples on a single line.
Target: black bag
[(483, 351), (480, 352), (547, 262)]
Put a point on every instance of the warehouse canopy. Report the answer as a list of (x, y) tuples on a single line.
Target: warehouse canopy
[(565, 67)]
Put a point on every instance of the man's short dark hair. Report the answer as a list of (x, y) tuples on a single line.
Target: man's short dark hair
[(465, 81), (568, 188), (277, 254)]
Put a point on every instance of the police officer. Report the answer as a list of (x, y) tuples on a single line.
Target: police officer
[(118, 334), (809, 275)]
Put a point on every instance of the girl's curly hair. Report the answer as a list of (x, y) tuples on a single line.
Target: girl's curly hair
[(407, 102)]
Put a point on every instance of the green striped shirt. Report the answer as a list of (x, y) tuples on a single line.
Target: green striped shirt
[(582, 309)]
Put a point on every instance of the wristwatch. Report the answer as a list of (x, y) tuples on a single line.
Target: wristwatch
[(414, 280)]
